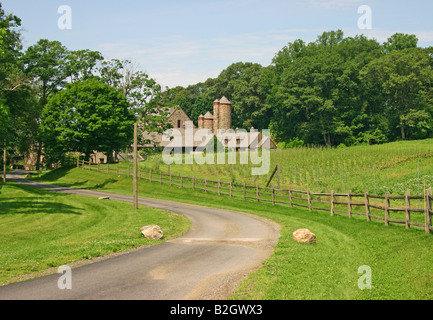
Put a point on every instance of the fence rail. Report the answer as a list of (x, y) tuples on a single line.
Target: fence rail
[(348, 203)]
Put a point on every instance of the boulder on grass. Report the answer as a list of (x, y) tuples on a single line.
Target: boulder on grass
[(152, 231), (304, 236)]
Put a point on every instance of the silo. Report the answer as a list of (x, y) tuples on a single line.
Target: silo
[(208, 121), (200, 121), (225, 114)]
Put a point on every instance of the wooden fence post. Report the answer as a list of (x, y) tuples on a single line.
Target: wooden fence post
[(205, 185), (387, 195), (231, 188), (245, 191), (349, 203), (430, 196), (150, 175), (219, 186), (257, 193), (290, 197), (193, 182), (428, 206), (332, 203), (309, 200), (273, 196), (367, 205), (181, 181), (407, 209)]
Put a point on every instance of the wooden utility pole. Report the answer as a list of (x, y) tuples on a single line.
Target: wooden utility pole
[(135, 183)]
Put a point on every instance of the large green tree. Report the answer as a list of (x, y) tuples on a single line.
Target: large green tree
[(51, 66), (87, 116), (317, 91), (16, 94), (402, 83), (142, 92)]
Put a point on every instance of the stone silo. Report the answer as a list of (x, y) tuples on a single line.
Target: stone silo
[(225, 114), (201, 121), (208, 121)]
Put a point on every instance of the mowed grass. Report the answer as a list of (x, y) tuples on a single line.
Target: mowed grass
[(41, 229), (400, 260)]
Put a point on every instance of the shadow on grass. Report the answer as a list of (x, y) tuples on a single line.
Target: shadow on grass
[(35, 203), (103, 184), (53, 175)]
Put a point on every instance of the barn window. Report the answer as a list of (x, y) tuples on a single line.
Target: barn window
[(178, 123)]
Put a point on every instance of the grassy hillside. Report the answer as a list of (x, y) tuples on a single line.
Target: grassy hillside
[(390, 167), (400, 260)]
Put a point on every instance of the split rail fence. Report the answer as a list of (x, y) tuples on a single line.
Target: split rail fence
[(347, 203)]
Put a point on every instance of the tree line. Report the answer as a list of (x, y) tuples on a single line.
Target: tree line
[(54, 100), (335, 90)]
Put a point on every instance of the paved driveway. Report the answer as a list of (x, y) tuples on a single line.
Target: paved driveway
[(208, 262)]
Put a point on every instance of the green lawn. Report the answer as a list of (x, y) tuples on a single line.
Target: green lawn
[(41, 229), (400, 259)]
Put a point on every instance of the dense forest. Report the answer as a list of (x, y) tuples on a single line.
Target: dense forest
[(334, 91)]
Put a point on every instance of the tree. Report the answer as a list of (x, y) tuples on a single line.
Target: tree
[(81, 64), (87, 116), (45, 63), (317, 95), (16, 104), (141, 92), (400, 41), (403, 81), (51, 66)]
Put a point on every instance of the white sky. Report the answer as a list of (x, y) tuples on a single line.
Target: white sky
[(182, 42)]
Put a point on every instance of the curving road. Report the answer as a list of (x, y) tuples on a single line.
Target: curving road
[(208, 262)]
